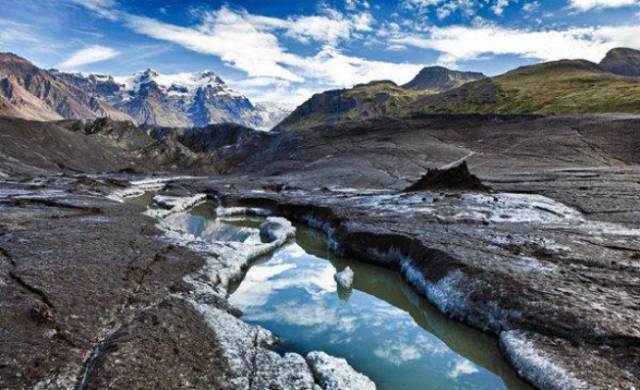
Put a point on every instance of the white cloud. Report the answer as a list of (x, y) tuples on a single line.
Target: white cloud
[(330, 26), (103, 8), (353, 4), (228, 35), (458, 43), (333, 67), (531, 6), (12, 32), (397, 353), (585, 5), (499, 6), (250, 43), (462, 367), (88, 55), (443, 8)]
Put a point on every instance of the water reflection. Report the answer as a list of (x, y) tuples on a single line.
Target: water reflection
[(382, 327)]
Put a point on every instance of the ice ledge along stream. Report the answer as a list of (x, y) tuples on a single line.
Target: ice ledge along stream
[(381, 326), (248, 349)]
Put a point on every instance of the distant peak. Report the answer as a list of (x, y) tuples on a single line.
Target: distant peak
[(150, 71), (623, 50), (376, 82), (622, 61), (209, 76), (559, 66), (13, 58), (146, 75), (439, 78)]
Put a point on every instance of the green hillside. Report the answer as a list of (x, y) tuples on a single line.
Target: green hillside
[(360, 102), (561, 87)]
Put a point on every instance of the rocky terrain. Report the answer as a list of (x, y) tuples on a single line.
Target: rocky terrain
[(547, 260)]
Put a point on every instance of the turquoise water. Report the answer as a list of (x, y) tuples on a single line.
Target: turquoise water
[(382, 326)]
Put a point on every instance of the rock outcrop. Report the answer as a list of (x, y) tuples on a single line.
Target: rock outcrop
[(622, 61), (440, 79), (457, 178)]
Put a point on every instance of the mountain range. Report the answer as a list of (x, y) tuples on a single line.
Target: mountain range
[(186, 100), (558, 87), (27, 91), (147, 98), (376, 98)]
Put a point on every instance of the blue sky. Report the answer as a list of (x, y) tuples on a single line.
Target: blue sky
[(285, 50)]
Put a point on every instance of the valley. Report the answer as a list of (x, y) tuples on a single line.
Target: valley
[(153, 235)]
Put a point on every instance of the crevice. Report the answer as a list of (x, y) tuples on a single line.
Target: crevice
[(48, 203), (41, 294), (612, 247), (5, 255), (254, 359), (102, 345), (90, 364)]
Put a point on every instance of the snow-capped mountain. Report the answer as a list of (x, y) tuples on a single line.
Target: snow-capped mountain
[(178, 100)]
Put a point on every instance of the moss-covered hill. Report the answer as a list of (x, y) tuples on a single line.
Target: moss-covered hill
[(360, 102), (560, 87)]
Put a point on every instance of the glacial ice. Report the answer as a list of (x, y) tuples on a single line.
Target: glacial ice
[(539, 367), (336, 374), (344, 278)]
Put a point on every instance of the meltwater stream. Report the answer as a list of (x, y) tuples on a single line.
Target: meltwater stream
[(383, 327)]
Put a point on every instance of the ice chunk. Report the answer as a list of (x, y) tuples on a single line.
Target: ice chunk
[(277, 229), (174, 204), (336, 374), (344, 278)]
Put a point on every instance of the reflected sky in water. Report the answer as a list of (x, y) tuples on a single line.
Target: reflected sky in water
[(381, 326)]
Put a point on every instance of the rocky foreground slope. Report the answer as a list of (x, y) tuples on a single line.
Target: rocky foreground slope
[(93, 297), (548, 261)]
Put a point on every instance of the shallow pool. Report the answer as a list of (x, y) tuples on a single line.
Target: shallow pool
[(382, 326)]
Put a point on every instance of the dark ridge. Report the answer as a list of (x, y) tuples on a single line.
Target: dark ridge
[(622, 61)]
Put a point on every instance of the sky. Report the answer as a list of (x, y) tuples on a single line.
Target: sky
[(283, 51)]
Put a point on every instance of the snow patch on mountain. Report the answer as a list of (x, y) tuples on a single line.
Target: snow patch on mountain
[(180, 99)]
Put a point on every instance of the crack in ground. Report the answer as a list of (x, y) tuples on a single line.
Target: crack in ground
[(91, 361), (41, 294), (254, 358), (5, 255), (99, 347)]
